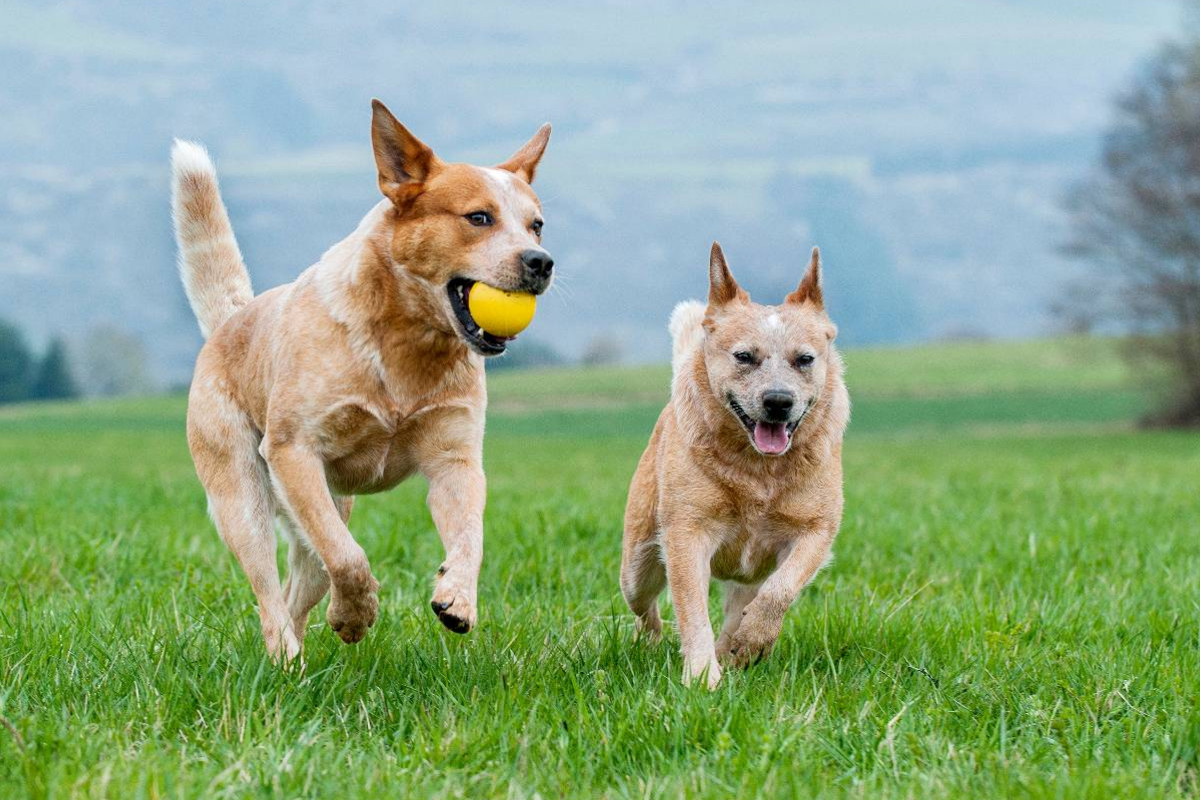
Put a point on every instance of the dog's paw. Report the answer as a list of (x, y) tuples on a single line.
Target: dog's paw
[(453, 609), (283, 646), (747, 646), (647, 628), (351, 612), (453, 598), (704, 672)]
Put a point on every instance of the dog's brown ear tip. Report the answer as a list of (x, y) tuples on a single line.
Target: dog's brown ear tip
[(379, 112), (379, 109), (716, 257)]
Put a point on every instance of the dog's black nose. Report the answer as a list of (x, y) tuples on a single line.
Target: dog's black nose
[(538, 262), (778, 405)]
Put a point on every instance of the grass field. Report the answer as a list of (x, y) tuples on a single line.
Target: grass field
[(1014, 612)]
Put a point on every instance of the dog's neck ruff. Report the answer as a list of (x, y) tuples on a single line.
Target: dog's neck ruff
[(390, 314)]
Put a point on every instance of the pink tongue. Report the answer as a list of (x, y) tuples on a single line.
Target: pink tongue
[(771, 437)]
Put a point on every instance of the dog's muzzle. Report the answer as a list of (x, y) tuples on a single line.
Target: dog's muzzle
[(537, 270)]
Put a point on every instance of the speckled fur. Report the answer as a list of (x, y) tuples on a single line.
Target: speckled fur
[(704, 503), (350, 379)]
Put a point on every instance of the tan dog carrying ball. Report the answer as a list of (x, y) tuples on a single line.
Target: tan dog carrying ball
[(742, 479), (366, 369)]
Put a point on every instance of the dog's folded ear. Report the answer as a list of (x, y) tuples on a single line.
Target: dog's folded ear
[(722, 288), (403, 160), (809, 290), (524, 162)]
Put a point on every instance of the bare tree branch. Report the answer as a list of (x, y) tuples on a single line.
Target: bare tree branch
[(1136, 219)]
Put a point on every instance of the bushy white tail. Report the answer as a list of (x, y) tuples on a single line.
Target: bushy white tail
[(687, 332), (210, 264)]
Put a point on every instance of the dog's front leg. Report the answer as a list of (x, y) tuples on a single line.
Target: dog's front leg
[(299, 478), (689, 555), (762, 618), (452, 460)]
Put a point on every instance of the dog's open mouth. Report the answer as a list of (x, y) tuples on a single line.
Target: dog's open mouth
[(485, 343), (769, 438)]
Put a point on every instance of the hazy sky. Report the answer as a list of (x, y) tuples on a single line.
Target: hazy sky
[(928, 143)]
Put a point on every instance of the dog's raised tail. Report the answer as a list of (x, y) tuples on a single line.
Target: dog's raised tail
[(210, 263), (687, 332)]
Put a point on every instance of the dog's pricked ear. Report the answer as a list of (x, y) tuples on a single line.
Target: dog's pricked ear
[(809, 290), (403, 160), (722, 288), (524, 162)]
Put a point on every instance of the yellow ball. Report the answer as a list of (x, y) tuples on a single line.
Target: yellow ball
[(501, 313)]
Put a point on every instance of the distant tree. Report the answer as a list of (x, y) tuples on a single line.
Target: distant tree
[(16, 364), (1136, 219), (114, 362), (1075, 310), (54, 380), (602, 349)]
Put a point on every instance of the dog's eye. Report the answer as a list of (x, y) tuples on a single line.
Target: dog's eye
[(743, 357), (805, 360), (536, 227), (480, 219)]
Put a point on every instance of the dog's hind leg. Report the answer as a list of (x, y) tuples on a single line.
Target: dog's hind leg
[(225, 448), (307, 580), (643, 575), (737, 597)]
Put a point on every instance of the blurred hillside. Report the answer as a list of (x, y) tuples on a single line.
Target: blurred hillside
[(1039, 387), (924, 146)]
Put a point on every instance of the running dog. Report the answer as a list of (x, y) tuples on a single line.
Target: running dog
[(742, 479), (366, 369)]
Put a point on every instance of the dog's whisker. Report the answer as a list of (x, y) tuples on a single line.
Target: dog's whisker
[(562, 289)]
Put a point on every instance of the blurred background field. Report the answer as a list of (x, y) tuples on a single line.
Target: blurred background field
[(1068, 383), (1072, 381), (1012, 611)]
